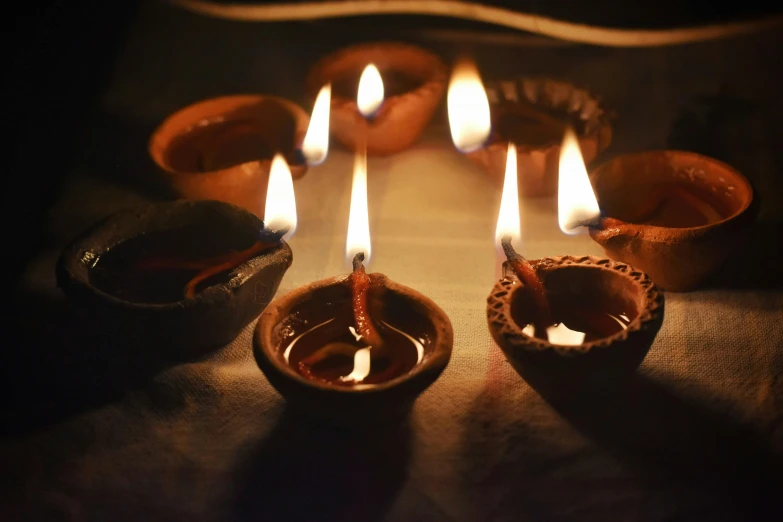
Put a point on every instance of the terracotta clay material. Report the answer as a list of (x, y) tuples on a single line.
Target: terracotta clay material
[(414, 84), (211, 318), (533, 114), (650, 199), (588, 282), (222, 148), (288, 316)]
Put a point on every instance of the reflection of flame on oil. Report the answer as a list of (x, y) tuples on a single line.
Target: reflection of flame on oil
[(362, 358)]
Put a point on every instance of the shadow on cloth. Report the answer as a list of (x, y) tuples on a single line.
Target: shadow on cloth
[(116, 149), (63, 364), (666, 445), (311, 469), (756, 264)]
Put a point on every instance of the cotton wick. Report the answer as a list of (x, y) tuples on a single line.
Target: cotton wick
[(529, 277)]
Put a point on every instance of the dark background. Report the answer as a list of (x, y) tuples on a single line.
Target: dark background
[(61, 53)]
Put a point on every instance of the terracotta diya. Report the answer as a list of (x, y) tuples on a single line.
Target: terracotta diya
[(181, 276), (580, 320), (355, 342), (412, 84), (222, 148), (534, 113), (573, 320), (676, 215)]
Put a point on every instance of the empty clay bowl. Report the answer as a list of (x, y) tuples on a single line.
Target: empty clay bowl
[(676, 215), (533, 114), (583, 292), (288, 317), (222, 148), (414, 83), (101, 271)]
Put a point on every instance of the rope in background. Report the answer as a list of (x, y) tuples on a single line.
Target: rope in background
[(568, 31)]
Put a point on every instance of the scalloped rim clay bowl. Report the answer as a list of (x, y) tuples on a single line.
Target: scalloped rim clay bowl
[(213, 317), (387, 299), (589, 280), (203, 173), (402, 117), (537, 163), (677, 259)]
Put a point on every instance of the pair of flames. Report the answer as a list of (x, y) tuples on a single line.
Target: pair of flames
[(280, 209), (470, 122)]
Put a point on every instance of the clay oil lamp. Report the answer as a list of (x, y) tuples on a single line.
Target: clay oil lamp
[(570, 320), (222, 148), (412, 82), (355, 342), (183, 276), (676, 215), (533, 113)]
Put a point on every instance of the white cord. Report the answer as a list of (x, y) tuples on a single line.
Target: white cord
[(604, 36)]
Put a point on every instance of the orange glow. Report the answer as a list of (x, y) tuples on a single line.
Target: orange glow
[(280, 209), (315, 146), (576, 201), (369, 97), (468, 108)]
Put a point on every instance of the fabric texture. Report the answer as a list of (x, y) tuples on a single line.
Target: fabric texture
[(697, 435)]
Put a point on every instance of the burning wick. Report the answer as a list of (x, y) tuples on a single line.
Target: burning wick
[(527, 274), (360, 285), (363, 329)]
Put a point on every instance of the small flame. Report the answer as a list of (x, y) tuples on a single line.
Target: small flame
[(358, 220), (508, 216), (280, 209), (370, 95), (576, 202), (468, 108), (315, 146)]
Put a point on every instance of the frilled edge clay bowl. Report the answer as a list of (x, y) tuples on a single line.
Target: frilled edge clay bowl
[(414, 80), (538, 142), (590, 280), (211, 318), (387, 300), (677, 259), (206, 167)]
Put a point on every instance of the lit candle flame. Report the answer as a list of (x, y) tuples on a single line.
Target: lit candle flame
[(370, 95), (280, 209), (315, 146), (508, 216), (576, 201), (468, 108), (358, 239)]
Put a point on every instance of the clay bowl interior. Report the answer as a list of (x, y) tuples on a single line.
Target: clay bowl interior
[(588, 283), (677, 215), (533, 113), (414, 84), (289, 316), (222, 148), (181, 325)]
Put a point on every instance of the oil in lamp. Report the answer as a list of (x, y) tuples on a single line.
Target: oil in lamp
[(571, 320), (354, 341), (182, 276)]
